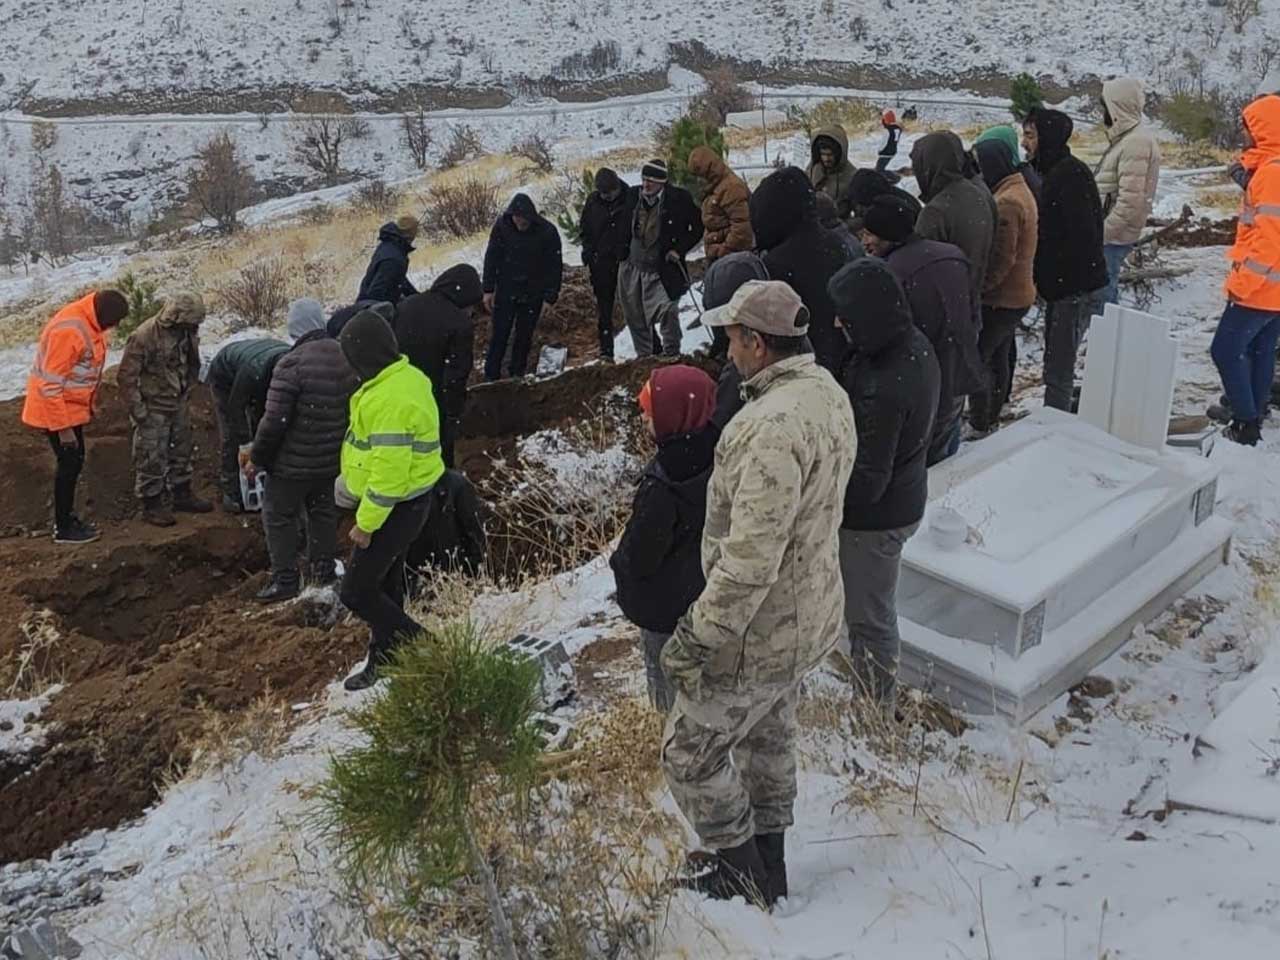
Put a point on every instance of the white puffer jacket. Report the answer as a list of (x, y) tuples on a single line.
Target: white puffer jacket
[(1129, 171)]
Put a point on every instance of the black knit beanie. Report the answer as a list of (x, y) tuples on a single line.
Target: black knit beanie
[(607, 181), (369, 344), (655, 170), (890, 218)]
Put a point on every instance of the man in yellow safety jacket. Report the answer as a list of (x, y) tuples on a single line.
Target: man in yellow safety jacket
[(391, 459)]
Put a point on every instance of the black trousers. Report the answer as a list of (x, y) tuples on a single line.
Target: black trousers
[(604, 284), (509, 314), (229, 455), (374, 585), (999, 328), (287, 502), (70, 462)]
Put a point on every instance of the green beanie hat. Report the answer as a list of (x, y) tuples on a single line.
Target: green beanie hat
[(1005, 134)]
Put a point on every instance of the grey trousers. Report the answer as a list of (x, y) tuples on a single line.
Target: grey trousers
[(869, 562), (646, 307), (661, 696), (1065, 324), (288, 502)]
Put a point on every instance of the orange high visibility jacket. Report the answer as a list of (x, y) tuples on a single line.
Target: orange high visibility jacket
[(64, 378), (1254, 280)]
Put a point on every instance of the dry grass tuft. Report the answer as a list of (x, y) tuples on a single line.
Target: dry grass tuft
[(31, 668), (226, 740)]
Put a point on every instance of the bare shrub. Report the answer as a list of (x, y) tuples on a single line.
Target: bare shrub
[(221, 184), (317, 214), (464, 144), (258, 294), (1240, 12), (724, 95), (376, 196), (31, 668), (320, 134), (460, 210), (226, 740), (604, 57), (535, 149), (417, 136), (44, 136)]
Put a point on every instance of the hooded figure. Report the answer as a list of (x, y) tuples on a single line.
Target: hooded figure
[(1244, 345), (160, 366), (305, 316), (957, 210), (522, 271), (726, 215), (386, 278), (869, 184), (891, 375), (1129, 172), (605, 231), (798, 250), (835, 181), (1007, 135), (436, 332), (830, 218), (721, 282), (1009, 283), (658, 563)]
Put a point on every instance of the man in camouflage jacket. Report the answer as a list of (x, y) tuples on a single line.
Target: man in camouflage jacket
[(773, 606), (160, 366)]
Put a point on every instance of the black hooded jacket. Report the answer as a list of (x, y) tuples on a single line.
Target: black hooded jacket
[(240, 375), (523, 266), (1069, 258), (436, 332), (891, 375), (386, 278), (869, 184), (958, 209), (799, 250), (658, 563), (605, 228)]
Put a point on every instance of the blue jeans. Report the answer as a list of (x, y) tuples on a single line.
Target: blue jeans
[(1244, 351), (1114, 254)]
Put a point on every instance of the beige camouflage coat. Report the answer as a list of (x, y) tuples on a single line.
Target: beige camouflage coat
[(773, 606), (162, 357)]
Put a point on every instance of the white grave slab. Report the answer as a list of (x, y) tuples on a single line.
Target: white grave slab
[(1074, 537), (1236, 766), (1129, 376)]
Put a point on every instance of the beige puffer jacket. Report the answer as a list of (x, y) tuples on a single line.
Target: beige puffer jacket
[(773, 606), (1129, 171)]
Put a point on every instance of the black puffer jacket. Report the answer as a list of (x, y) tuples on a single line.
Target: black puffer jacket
[(241, 373), (453, 537), (800, 251), (606, 231), (1069, 258), (523, 266), (386, 277), (436, 332), (891, 375), (300, 435), (658, 563)]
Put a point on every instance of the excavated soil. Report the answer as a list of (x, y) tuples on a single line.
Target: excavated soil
[(157, 626)]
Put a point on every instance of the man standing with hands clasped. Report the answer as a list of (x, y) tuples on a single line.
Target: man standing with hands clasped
[(773, 606), (391, 460)]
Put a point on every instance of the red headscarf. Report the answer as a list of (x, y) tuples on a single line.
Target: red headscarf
[(679, 398)]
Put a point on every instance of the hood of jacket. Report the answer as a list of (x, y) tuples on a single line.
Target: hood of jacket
[(1054, 129), (523, 205), (835, 133), (1262, 118), (871, 304), (866, 186), (390, 233), (182, 310), (1006, 135), (938, 160), (996, 162), (780, 205), (682, 399), (707, 164), (1124, 99), (460, 285), (727, 274), (369, 344)]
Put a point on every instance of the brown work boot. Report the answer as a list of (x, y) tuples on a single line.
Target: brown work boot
[(156, 513), (184, 501)]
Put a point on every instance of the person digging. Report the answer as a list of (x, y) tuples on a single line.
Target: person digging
[(391, 461)]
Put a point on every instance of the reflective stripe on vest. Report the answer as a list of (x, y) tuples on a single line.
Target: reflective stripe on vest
[(392, 440), (382, 500), (85, 373), (1268, 273)]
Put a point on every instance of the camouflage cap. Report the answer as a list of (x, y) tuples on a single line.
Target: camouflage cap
[(183, 308), (766, 306)]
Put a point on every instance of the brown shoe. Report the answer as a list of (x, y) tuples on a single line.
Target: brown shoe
[(156, 513)]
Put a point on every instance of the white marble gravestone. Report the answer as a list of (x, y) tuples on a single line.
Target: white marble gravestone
[(1129, 376), (1074, 537)]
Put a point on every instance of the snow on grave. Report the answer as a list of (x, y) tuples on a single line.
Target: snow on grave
[(1073, 536)]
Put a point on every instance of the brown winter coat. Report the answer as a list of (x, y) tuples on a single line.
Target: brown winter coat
[(161, 361), (726, 216), (1009, 283)]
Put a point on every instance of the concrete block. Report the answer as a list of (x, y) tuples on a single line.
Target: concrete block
[(557, 685)]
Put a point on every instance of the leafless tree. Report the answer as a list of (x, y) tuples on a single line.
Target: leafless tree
[(417, 136), (221, 184), (321, 135)]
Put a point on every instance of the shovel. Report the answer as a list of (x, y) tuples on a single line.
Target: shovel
[(696, 322)]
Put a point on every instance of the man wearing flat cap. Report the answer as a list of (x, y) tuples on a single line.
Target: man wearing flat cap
[(773, 606)]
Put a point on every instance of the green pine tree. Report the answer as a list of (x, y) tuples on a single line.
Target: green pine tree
[(1025, 96), (143, 304), (683, 136), (569, 220)]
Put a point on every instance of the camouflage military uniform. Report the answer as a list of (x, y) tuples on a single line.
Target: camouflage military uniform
[(772, 609), (160, 366)]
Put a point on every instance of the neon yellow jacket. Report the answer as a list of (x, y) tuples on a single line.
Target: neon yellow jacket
[(392, 449)]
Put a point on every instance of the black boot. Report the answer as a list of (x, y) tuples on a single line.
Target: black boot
[(363, 680), (277, 591), (1246, 432), (734, 872), (156, 513), (185, 501), (1220, 412), (322, 575), (772, 847)]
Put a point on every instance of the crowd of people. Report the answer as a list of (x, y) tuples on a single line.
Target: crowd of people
[(857, 324)]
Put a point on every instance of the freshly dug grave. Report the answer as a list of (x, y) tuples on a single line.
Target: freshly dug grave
[(156, 626)]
